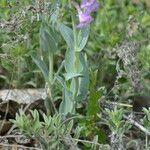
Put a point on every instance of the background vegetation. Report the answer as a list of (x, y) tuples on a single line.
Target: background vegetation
[(111, 78)]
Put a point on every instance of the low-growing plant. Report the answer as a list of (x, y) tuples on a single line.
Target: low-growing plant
[(146, 124), (118, 127), (51, 132)]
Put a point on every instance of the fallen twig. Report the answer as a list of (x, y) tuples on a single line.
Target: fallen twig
[(90, 142), (133, 122), (19, 146)]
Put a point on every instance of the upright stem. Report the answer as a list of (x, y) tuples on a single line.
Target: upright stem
[(50, 100), (76, 79), (76, 87), (74, 28), (51, 63)]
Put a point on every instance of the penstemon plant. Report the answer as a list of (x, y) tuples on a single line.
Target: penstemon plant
[(49, 38), (75, 81)]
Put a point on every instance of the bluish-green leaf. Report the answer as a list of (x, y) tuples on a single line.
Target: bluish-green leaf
[(69, 76), (67, 34), (61, 81), (48, 42), (67, 105), (69, 61), (73, 65), (84, 80), (79, 63), (41, 64), (82, 38)]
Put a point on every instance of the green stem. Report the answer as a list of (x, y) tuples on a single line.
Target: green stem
[(75, 57), (58, 71), (49, 101), (76, 91), (74, 27), (51, 64)]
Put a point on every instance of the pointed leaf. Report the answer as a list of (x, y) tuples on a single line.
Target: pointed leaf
[(41, 64), (47, 39), (69, 76), (69, 61), (82, 38), (84, 81), (67, 34), (67, 105)]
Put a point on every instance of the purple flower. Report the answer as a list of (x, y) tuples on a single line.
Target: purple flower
[(84, 12), (89, 5), (84, 19)]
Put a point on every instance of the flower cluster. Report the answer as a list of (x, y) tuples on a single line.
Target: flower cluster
[(85, 10)]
